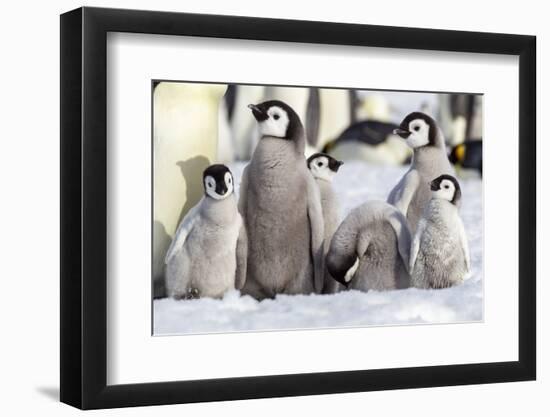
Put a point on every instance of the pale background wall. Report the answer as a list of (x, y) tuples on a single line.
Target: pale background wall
[(29, 172)]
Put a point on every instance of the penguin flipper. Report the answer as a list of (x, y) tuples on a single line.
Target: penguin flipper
[(464, 245), (317, 230), (243, 190), (415, 245), (241, 253), (401, 196), (182, 232), (402, 232)]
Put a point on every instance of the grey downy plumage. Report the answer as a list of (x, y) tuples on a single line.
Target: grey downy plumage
[(208, 254), (439, 251), (280, 203), (412, 192), (323, 168), (370, 249)]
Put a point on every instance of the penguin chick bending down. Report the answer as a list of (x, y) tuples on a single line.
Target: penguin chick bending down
[(429, 160), (439, 251), (370, 249), (324, 167), (280, 203), (208, 254)]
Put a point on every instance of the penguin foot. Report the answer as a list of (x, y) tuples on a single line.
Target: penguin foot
[(192, 293)]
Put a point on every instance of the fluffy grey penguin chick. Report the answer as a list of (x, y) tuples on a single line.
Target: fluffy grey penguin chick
[(440, 256), (208, 254), (429, 160), (370, 249), (324, 167), (281, 206)]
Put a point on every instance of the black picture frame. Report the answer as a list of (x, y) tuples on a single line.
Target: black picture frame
[(84, 207)]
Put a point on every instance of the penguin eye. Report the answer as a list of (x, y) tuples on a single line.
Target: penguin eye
[(319, 164), (446, 187), (229, 180), (210, 184), (276, 116), (416, 128)]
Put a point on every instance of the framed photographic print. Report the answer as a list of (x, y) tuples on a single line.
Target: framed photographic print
[(258, 208)]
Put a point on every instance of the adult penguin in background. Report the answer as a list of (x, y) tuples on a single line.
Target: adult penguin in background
[(281, 206), (370, 249), (370, 141), (242, 126), (460, 117), (185, 135), (373, 106), (412, 192), (226, 147), (468, 157), (207, 257), (440, 257), (336, 110), (324, 168)]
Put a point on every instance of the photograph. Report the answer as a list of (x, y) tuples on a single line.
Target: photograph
[(311, 207), (266, 206)]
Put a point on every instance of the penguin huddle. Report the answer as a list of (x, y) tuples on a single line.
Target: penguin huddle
[(283, 236)]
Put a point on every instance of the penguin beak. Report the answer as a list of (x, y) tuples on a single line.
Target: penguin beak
[(335, 165), (402, 132), (221, 189), (434, 186), (258, 113)]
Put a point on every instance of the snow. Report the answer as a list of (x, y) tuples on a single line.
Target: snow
[(355, 183)]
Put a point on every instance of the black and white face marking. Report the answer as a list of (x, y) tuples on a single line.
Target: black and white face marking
[(276, 119), (418, 129), (218, 181), (323, 166), (446, 187)]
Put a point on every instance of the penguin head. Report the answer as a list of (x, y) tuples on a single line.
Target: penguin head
[(218, 182), (419, 130), (323, 166), (277, 119), (446, 187)]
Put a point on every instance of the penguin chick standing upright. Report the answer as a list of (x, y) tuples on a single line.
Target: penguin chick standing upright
[(370, 249), (281, 206), (324, 167), (208, 254), (439, 253), (429, 160)]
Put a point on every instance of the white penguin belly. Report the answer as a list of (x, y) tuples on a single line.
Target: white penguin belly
[(207, 262), (440, 263)]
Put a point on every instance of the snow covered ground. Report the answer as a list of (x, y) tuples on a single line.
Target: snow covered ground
[(355, 183)]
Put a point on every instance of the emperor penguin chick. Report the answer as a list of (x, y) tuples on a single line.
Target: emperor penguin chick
[(440, 256), (370, 249), (281, 206), (208, 254), (324, 167), (429, 160)]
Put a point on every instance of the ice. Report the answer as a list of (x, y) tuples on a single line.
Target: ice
[(355, 183)]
